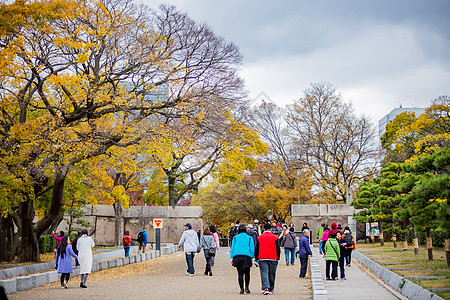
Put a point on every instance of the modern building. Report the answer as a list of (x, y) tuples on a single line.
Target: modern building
[(391, 116)]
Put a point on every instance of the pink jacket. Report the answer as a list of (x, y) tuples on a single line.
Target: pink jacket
[(58, 239), (325, 235)]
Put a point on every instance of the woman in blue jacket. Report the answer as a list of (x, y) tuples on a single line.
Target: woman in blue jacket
[(242, 252), (64, 261)]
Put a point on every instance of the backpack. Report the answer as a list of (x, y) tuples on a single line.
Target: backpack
[(140, 238), (348, 239)]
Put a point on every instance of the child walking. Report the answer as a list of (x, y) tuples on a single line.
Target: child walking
[(64, 260)]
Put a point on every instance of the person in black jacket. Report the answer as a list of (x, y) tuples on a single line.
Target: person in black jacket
[(342, 245), (74, 247), (252, 234)]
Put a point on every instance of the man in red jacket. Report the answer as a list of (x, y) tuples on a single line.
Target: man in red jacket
[(267, 252)]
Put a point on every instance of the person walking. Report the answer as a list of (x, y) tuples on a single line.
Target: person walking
[(334, 227), (241, 254), (64, 260), (319, 233), (290, 244), (351, 245), (58, 241), (256, 227), (189, 242), (74, 247), (305, 226), (214, 234), (268, 253), (324, 238), (304, 250), (276, 228), (126, 243), (341, 260), (209, 249), (252, 234), (142, 240), (84, 245), (331, 255)]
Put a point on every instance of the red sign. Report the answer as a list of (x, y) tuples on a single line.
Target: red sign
[(157, 223)]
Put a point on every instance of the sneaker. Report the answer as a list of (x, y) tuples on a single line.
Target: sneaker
[(266, 292), (84, 286), (62, 286), (271, 292), (191, 274), (343, 278), (81, 284), (349, 265), (247, 291), (65, 285), (287, 264)]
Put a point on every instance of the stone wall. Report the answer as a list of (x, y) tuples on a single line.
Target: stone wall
[(315, 215), (101, 218)]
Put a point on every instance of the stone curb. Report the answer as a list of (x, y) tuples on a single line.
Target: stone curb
[(318, 287), (397, 282), (23, 283)]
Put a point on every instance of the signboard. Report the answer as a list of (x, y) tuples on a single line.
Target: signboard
[(157, 223), (375, 230)]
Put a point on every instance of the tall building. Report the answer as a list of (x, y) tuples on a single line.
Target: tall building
[(391, 116)]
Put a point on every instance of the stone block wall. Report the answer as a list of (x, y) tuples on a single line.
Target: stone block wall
[(101, 218)]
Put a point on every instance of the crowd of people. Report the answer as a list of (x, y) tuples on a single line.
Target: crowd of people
[(260, 246)]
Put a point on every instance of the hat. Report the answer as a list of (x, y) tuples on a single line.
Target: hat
[(339, 226), (249, 226), (188, 225), (256, 221)]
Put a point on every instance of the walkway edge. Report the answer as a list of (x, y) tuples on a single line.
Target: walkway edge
[(318, 287), (23, 283), (403, 285)]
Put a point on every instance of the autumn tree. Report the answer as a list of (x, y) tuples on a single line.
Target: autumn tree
[(64, 99), (335, 145)]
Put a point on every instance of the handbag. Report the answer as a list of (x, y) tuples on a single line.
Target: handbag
[(211, 250)]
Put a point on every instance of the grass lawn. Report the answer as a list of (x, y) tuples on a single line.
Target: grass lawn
[(396, 258)]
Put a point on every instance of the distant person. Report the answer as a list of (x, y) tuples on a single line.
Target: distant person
[(334, 227), (234, 230), (84, 245), (304, 250), (252, 233), (276, 228), (58, 239), (74, 247), (241, 254), (324, 238), (319, 236), (214, 234), (189, 242), (142, 240), (256, 227), (339, 228), (351, 245), (64, 261), (290, 244), (332, 254), (305, 226), (268, 253), (341, 259), (126, 243), (209, 249)]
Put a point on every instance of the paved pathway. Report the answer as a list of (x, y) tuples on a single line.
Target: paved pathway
[(359, 284), (165, 278)]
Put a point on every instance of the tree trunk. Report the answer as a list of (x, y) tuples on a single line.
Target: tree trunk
[(447, 247), (415, 240), (118, 228), (3, 239), (171, 182), (29, 247), (429, 245), (394, 240), (380, 228)]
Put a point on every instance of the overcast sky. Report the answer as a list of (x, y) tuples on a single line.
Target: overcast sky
[(378, 54)]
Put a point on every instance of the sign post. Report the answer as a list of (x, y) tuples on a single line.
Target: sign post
[(158, 224)]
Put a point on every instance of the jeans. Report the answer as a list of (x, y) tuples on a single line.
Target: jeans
[(211, 261), (208, 264), (292, 252), (304, 265), (341, 266), (320, 247), (190, 262), (127, 250), (334, 264), (268, 270)]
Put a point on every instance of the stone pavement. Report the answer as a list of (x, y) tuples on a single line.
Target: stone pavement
[(359, 284), (165, 278)]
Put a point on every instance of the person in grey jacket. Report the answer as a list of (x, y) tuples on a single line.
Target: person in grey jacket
[(189, 242), (207, 243), (290, 244)]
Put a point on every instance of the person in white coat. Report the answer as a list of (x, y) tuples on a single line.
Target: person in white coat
[(84, 246)]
